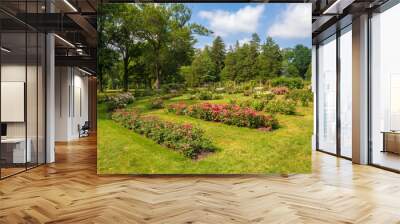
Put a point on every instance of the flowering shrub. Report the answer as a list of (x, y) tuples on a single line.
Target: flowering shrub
[(280, 90), (261, 94), (301, 95), (177, 108), (156, 103), (281, 106), (185, 138), (226, 113), (257, 105), (119, 101)]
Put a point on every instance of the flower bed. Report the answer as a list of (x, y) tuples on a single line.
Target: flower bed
[(185, 138), (227, 114)]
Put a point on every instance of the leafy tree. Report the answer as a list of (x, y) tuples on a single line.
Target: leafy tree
[(121, 24), (217, 55), (288, 67), (167, 31), (202, 69), (187, 74), (301, 59), (309, 72)]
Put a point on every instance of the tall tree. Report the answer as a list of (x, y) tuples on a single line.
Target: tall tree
[(255, 42), (245, 63), (217, 55), (202, 68), (302, 59), (270, 60), (288, 67), (229, 72), (121, 23), (162, 25)]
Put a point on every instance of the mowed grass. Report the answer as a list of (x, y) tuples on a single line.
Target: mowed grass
[(240, 150)]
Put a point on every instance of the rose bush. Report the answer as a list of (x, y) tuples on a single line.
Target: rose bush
[(185, 138), (280, 90), (156, 103), (281, 106), (226, 113), (119, 101)]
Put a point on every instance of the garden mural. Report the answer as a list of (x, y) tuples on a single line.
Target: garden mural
[(204, 89)]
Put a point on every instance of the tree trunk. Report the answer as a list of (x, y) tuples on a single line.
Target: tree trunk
[(125, 78), (101, 87), (157, 82)]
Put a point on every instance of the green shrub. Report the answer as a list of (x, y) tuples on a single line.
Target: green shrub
[(205, 95), (281, 106), (156, 103), (269, 96), (171, 87), (143, 92), (247, 93), (261, 94), (119, 101), (258, 105), (185, 138), (304, 96), (291, 83), (101, 97)]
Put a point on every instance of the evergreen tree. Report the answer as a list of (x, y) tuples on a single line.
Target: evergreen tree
[(229, 72), (270, 60), (255, 42), (217, 54)]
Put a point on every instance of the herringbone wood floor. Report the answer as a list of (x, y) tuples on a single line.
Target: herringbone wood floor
[(69, 191)]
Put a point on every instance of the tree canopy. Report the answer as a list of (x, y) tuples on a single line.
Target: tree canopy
[(148, 45)]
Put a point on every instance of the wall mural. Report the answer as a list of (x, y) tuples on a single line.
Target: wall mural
[(204, 88)]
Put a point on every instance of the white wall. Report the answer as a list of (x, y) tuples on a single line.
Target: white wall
[(314, 90), (71, 102)]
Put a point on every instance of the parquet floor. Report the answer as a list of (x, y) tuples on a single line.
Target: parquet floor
[(69, 191)]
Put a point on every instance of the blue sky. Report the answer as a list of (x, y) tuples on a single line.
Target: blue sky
[(288, 24)]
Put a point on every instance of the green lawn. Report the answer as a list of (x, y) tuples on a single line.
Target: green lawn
[(240, 150)]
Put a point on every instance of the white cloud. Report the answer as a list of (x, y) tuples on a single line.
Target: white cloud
[(244, 41), (224, 23), (294, 22)]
